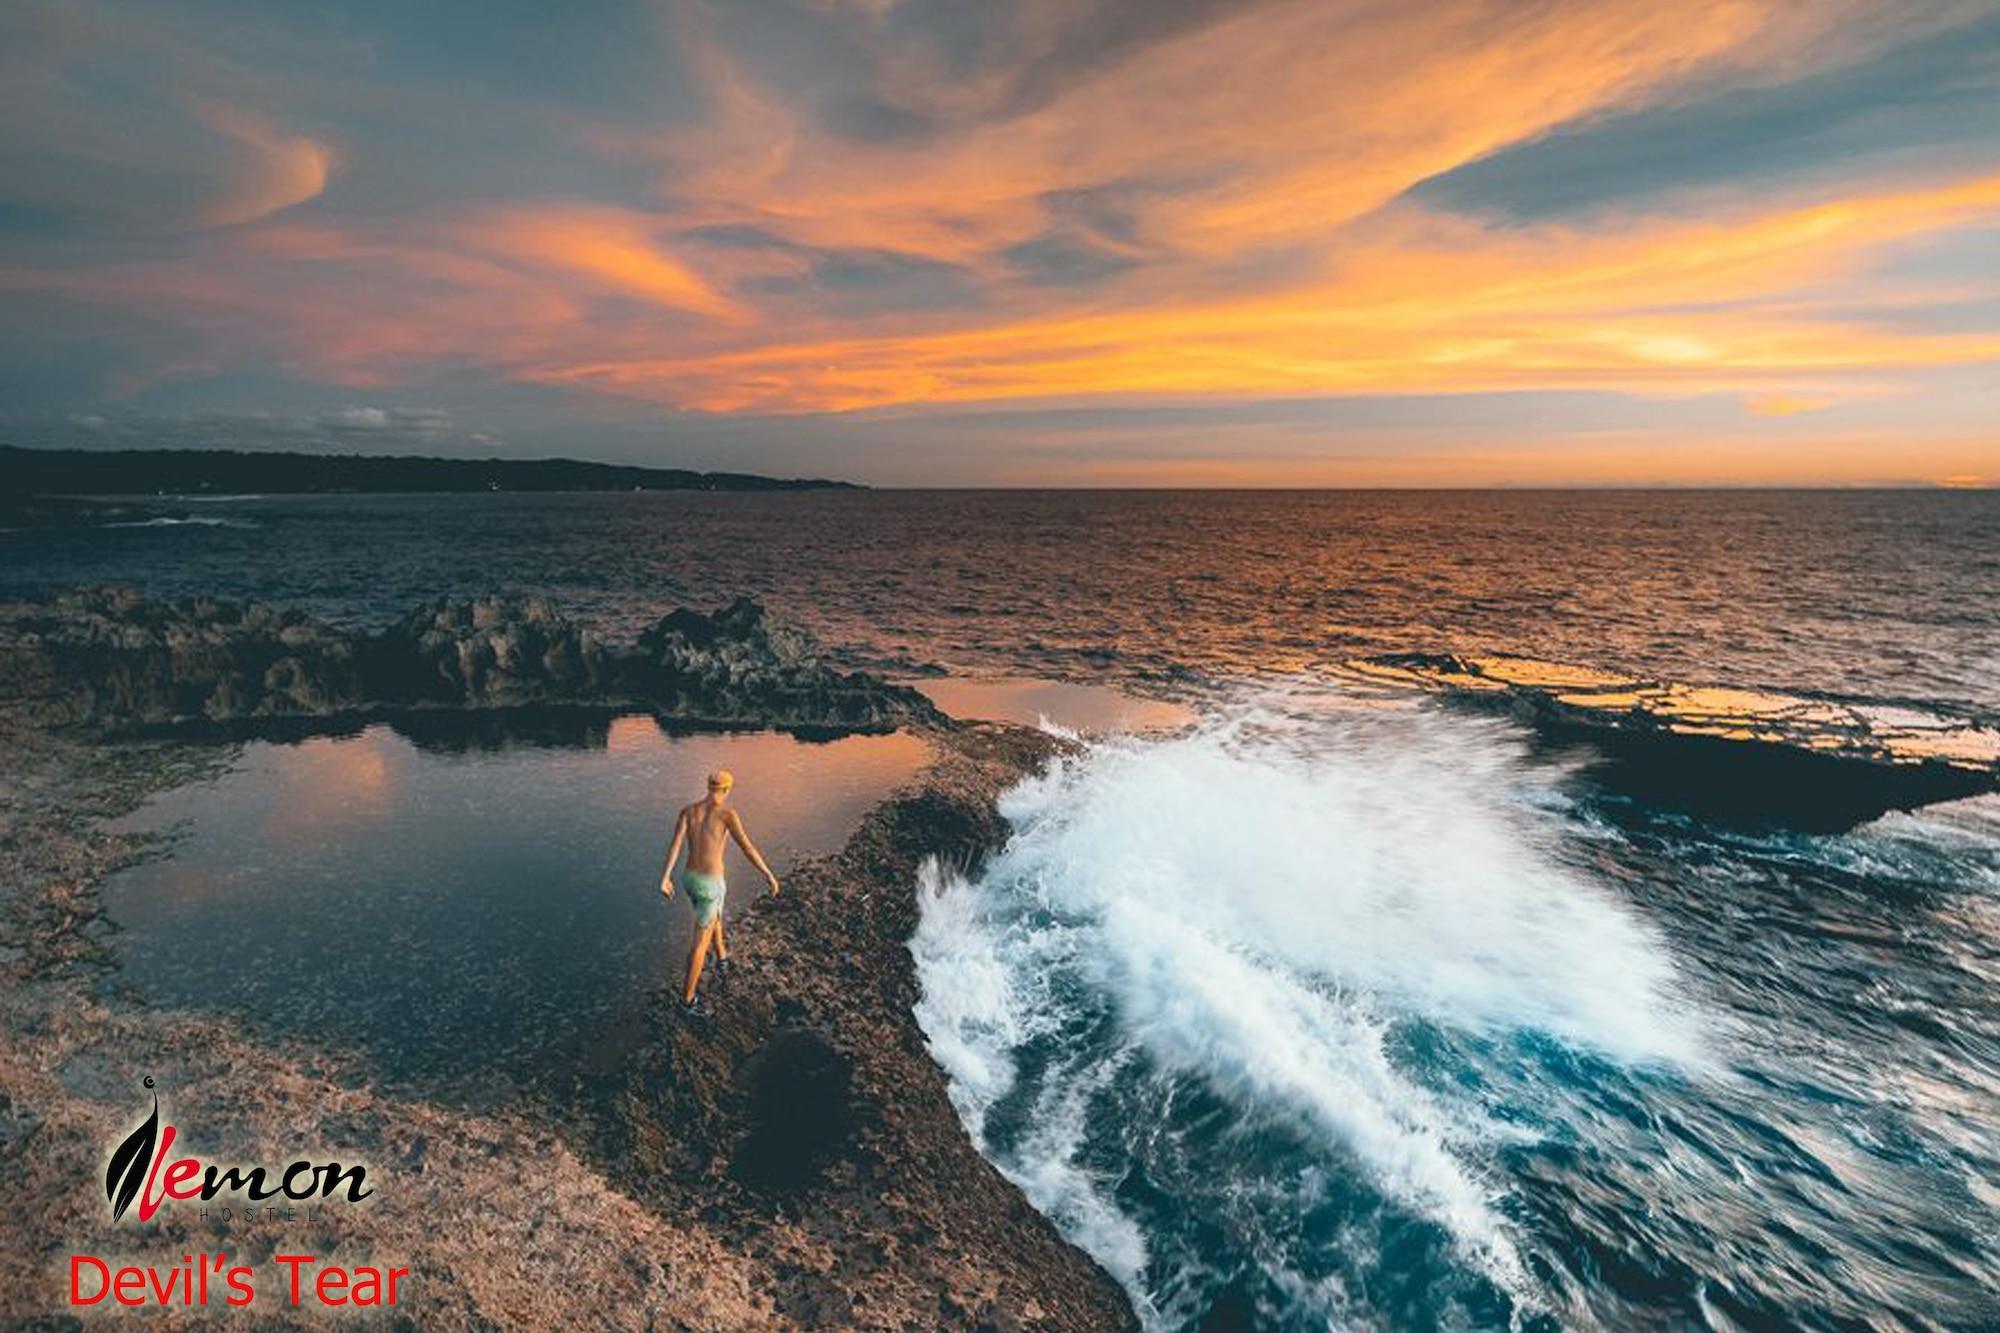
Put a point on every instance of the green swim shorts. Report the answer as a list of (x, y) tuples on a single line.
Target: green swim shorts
[(704, 894)]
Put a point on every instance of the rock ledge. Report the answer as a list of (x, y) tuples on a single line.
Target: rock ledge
[(111, 660)]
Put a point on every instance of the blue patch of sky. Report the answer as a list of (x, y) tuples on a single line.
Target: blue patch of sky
[(1926, 105)]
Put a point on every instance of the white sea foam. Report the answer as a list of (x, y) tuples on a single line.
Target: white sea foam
[(1396, 856), (983, 997), (195, 521), (1258, 900), (968, 1008)]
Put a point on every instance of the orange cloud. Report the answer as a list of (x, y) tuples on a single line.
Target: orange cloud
[(1418, 304), (1288, 127), (1278, 122), (1407, 302), (616, 249), (282, 170), (1783, 404)]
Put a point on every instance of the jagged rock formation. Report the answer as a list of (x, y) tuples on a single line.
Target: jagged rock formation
[(745, 663), (113, 660), (1735, 755), (110, 657), (491, 653)]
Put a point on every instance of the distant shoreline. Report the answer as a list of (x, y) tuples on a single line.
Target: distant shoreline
[(194, 473)]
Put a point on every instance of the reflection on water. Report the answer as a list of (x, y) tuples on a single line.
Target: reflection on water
[(1871, 731), (1032, 701), (468, 918)]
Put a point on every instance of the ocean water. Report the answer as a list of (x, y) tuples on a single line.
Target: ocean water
[(1337, 1009), (1887, 594), (1323, 1019)]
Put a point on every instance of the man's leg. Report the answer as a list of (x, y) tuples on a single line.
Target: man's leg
[(721, 944), (703, 937)]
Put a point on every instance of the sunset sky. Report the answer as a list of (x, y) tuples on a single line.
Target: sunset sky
[(1017, 242)]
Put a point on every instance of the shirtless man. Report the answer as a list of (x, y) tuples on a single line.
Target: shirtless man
[(704, 828)]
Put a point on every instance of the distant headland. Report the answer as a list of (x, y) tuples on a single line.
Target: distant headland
[(70, 472)]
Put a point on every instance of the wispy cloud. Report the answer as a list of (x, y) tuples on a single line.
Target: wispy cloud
[(915, 206), (619, 250), (1420, 303), (281, 170), (117, 125)]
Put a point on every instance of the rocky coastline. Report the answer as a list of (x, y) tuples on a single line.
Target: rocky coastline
[(113, 662), (1731, 755), (789, 1160)]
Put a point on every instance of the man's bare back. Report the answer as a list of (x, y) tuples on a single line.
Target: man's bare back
[(709, 829)]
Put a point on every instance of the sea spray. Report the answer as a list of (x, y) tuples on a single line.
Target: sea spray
[(1250, 914), (1395, 855)]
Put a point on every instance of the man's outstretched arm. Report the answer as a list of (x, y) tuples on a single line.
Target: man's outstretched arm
[(737, 831), (674, 854)]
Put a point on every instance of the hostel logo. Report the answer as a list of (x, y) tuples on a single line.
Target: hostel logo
[(143, 1169), (127, 1171)]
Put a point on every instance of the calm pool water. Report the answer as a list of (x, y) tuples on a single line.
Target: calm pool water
[(468, 917)]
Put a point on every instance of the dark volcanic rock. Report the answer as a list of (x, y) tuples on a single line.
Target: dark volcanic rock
[(490, 653), (114, 660), (1817, 764), (740, 662), (108, 657)]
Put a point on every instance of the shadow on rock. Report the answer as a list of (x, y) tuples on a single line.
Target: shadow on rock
[(799, 1109)]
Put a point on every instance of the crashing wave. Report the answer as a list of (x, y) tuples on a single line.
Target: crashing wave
[(1260, 909)]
